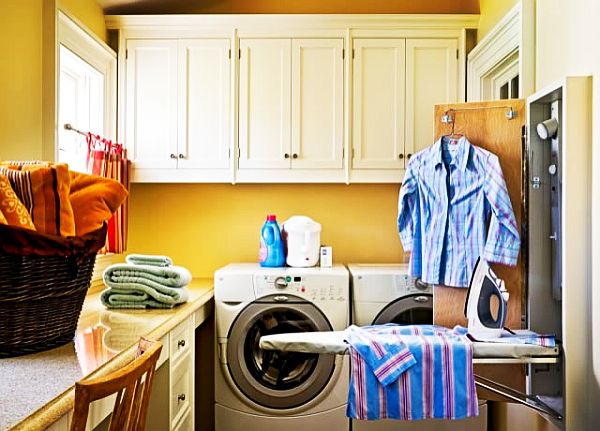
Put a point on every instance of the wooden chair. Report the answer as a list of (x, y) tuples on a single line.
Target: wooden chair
[(132, 384)]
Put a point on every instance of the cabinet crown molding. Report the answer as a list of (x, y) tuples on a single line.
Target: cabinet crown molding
[(340, 21)]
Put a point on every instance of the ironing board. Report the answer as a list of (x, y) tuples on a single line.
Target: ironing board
[(332, 342), (483, 353)]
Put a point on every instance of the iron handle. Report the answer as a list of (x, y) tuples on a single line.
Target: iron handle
[(400, 156), (421, 299), (294, 156), (181, 343), (173, 156), (181, 156), (180, 397), (286, 155)]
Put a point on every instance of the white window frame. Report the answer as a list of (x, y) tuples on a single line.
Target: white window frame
[(495, 53), (78, 39), (100, 56)]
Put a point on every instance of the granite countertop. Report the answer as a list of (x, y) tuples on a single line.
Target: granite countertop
[(38, 389)]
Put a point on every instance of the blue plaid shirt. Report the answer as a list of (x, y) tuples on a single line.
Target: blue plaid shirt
[(453, 208)]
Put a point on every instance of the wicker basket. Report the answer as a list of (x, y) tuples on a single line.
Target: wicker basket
[(43, 283)]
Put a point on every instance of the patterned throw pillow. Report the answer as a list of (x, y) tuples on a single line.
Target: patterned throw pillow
[(12, 210), (43, 188)]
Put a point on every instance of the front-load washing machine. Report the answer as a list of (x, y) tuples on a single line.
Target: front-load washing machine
[(260, 390), (383, 293)]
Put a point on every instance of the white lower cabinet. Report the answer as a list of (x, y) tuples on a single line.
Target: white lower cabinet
[(181, 378)]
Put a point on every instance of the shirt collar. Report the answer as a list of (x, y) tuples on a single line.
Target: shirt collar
[(464, 147)]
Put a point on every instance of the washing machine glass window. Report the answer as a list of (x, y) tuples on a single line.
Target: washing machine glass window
[(407, 310), (271, 378)]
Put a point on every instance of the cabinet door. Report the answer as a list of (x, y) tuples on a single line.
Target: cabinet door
[(264, 112), (378, 120), (317, 103), (431, 79), (152, 103), (204, 101)]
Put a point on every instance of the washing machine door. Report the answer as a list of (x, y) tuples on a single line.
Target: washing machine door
[(407, 310), (274, 379)]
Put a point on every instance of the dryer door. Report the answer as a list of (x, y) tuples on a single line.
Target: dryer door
[(407, 310), (274, 379)]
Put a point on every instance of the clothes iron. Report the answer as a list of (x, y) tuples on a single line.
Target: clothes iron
[(483, 287)]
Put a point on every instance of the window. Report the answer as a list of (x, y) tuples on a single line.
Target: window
[(86, 91)]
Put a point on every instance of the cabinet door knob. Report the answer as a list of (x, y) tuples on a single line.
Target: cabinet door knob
[(181, 343), (181, 156), (400, 156), (286, 155), (409, 155), (294, 156), (181, 397), (173, 156)]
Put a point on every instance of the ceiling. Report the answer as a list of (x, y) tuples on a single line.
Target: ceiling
[(287, 6)]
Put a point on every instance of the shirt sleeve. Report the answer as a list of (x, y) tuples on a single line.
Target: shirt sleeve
[(503, 242), (408, 206), (386, 357)]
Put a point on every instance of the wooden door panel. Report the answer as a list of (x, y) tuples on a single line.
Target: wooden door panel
[(486, 125)]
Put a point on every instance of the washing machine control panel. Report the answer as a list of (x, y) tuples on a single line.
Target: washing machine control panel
[(310, 288)]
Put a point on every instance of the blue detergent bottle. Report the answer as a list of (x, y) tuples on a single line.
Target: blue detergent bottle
[(271, 252)]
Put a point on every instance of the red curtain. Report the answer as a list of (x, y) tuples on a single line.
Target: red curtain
[(109, 160)]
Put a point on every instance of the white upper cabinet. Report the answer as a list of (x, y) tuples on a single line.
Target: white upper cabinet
[(291, 106), (178, 119), (204, 104), (379, 86), (431, 79), (396, 83), (151, 133), (265, 92), (284, 98), (317, 103)]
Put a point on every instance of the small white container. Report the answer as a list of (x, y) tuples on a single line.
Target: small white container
[(326, 256), (302, 236)]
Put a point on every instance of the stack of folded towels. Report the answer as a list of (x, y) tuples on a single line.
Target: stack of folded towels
[(145, 281)]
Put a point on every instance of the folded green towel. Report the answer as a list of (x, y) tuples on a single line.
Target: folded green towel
[(152, 276), (144, 286), (134, 295), (148, 259)]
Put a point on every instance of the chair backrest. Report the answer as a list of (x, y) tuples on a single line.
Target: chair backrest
[(132, 384)]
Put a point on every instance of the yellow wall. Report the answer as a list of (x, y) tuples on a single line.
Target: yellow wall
[(27, 73), (87, 12), (204, 226), (491, 12), (21, 79)]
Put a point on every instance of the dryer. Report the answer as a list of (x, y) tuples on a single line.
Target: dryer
[(383, 293), (268, 390)]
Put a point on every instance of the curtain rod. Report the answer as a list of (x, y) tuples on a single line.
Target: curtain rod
[(68, 126)]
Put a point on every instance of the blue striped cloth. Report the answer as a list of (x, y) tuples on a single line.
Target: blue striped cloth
[(439, 384), (450, 194)]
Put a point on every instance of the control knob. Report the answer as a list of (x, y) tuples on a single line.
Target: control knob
[(280, 283)]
